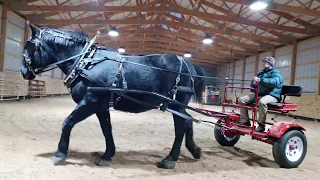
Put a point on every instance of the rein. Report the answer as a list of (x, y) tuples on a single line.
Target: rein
[(87, 48)]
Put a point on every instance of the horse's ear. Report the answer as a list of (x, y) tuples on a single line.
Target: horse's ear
[(34, 29)]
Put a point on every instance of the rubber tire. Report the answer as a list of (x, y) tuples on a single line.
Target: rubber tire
[(279, 148), (222, 140), (275, 152)]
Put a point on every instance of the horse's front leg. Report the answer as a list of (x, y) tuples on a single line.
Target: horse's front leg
[(105, 123), (84, 109)]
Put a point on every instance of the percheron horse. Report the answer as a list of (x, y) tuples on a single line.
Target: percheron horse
[(49, 46)]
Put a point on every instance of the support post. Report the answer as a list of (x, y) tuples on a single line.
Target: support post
[(243, 72), (293, 63), (256, 64), (226, 70), (3, 36), (26, 32), (273, 53), (233, 71)]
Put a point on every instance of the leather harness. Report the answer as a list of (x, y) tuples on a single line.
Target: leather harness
[(80, 68)]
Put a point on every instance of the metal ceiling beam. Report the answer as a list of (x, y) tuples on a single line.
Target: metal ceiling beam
[(174, 52), (155, 22), (17, 7), (221, 40), (205, 54), (180, 43)]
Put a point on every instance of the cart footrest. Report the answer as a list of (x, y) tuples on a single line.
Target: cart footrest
[(283, 107)]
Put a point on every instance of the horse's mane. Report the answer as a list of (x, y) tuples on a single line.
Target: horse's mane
[(63, 37)]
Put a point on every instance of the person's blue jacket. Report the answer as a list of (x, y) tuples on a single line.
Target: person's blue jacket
[(271, 83)]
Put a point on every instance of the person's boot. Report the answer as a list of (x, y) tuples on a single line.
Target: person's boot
[(260, 128), (245, 123)]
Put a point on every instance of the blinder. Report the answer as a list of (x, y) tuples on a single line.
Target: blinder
[(30, 46)]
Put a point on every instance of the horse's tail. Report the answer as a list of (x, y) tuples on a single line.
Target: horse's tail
[(199, 84)]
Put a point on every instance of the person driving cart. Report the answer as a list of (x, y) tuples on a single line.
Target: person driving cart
[(271, 83)]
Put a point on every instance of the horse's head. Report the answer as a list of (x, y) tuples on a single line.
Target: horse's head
[(47, 46), (31, 54)]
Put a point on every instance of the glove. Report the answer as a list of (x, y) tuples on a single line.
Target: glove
[(256, 79)]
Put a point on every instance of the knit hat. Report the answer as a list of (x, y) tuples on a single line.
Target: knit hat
[(269, 60)]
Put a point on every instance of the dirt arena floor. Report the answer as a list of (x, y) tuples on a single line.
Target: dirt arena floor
[(30, 130)]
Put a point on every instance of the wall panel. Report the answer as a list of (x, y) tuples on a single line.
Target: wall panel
[(249, 70), (57, 73), (238, 67), (222, 71), (209, 71), (14, 43), (0, 21), (46, 74), (307, 69), (283, 62)]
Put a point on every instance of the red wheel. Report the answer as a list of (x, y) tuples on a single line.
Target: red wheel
[(291, 149)]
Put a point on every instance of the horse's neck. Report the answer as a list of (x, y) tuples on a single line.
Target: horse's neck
[(67, 66)]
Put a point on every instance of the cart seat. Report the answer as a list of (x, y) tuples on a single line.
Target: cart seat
[(287, 90)]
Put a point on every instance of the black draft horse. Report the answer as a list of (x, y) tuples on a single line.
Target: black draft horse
[(66, 43)]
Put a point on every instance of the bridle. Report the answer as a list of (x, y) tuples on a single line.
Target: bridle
[(37, 42)]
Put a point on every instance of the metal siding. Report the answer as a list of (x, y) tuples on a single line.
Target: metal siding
[(238, 68), (237, 78), (250, 64), (47, 74), (14, 43), (13, 52), (221, 70), (0, 21), (308, 51), (208, 72), (239, 62), (12, 63), (12, 18), (57, 73), (249, 76), (283, 62), (14, 48), (309, 85), (306, 70), (15, 32)]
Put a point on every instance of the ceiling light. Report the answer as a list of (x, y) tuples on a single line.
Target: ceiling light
[(121, 50), (187, 55), (207, 39), (113, 32), (258, 5)]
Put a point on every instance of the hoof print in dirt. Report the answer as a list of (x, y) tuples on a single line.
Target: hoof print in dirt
[(167, 163)]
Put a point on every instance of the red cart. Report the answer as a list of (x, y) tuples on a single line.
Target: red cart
[(287, 138)]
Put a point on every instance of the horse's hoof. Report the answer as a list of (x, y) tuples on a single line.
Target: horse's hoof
[(102, 162), (59, 158), (197, 152), (167, 163)]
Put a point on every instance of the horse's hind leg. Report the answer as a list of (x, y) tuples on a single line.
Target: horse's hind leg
[(84, 109), (190, 144), (105, 123)]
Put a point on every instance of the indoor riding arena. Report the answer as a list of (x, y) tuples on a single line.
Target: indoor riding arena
[(159, 89)]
